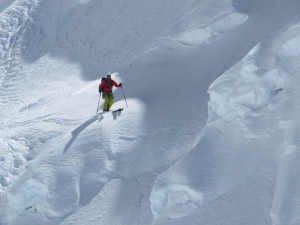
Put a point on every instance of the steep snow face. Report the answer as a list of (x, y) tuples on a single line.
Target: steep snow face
[(49, 111), (14, 147), (248, 148), (168, 158), (129, 26)]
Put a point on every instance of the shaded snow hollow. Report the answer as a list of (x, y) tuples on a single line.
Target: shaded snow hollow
[(210, 134)]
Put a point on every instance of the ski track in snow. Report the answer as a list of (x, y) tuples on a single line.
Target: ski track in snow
[(157, 165)]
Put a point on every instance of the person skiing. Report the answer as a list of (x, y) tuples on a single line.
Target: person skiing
[(105, 88)]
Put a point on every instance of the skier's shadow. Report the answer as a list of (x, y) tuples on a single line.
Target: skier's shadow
[(78, 130)]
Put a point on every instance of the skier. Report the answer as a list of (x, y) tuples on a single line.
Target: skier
[(105, 87)]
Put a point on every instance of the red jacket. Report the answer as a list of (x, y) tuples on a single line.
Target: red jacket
[(106, 85)]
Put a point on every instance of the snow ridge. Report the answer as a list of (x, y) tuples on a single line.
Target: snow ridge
[(15, 21)]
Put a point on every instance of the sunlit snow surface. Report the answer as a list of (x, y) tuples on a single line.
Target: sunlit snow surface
[(209, 130)]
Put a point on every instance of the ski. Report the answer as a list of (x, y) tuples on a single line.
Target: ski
[(118, 110)]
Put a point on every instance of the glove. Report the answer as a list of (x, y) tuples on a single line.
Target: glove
[(120, 84)]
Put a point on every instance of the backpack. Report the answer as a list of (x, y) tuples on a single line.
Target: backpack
[(108, 84)]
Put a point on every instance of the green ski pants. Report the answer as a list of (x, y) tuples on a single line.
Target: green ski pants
[(108, 101)]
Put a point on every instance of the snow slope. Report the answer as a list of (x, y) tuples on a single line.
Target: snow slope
[(210, 134)]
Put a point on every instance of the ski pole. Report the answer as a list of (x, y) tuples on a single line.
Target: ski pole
[(124, 96), (98, 102)]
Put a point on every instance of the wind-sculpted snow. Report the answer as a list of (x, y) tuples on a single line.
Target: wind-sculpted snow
[(210, 134), (200, 35), (13, 22), (290, 49), (249, 115), (249, 92), (284, 210)]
